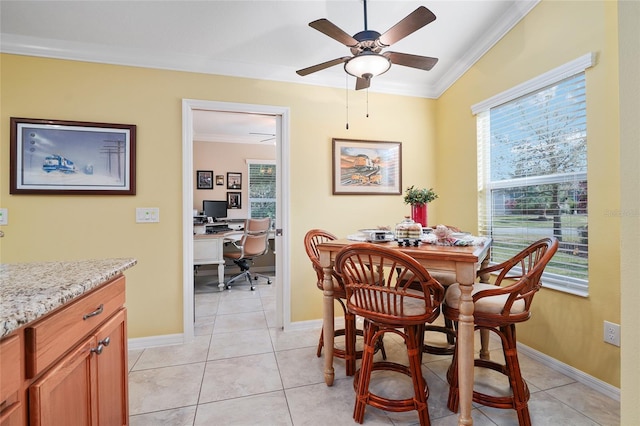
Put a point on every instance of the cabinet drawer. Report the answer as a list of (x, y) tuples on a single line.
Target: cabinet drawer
[(50, 338), (10, 377)]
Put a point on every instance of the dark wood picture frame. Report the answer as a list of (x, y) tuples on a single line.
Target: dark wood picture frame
[(363, 167), (71, 157), (234, 180), (234, 200), (204, 178), (219, 180)]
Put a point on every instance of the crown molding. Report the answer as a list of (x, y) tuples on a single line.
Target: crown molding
[(128, 56)]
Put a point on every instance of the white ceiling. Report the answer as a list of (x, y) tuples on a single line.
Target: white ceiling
[(257, 39)]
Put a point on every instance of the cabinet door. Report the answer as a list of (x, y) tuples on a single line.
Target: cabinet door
[(111, 363), (64, 395)]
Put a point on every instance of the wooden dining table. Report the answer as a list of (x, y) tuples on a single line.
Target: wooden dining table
[(464, 261)]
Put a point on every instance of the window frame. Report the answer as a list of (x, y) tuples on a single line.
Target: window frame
[(252, 162), (481, 110)]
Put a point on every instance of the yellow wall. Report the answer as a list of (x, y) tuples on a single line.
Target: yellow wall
[(568, 328), (629, 35), (438, 143), (74, 227)]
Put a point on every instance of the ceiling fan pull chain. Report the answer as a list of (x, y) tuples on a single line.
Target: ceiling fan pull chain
[(346, 91), (367, 102)]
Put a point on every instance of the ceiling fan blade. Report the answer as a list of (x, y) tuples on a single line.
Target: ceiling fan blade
[(362, 83), (413, 61), (412, 22), (319, 67), (328, 28)]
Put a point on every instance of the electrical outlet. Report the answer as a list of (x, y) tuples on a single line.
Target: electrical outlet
[(612, 333)]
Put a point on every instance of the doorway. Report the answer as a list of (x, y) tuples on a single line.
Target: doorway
[(282, 280)]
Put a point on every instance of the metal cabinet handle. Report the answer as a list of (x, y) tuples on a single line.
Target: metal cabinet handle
[(94, 313), (98, 350), (105, 341)]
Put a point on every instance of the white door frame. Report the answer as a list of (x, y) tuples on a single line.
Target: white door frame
[(283, 287)]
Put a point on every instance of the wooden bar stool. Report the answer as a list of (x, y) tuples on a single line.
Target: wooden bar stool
[(377, 281), (311, 240), (498, 307)]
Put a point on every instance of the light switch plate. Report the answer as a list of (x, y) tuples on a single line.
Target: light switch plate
[(4, 216), (147, 214)]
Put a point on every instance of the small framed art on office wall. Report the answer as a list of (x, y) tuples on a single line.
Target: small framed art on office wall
[(234, 180), (234, 200), (205, 179)]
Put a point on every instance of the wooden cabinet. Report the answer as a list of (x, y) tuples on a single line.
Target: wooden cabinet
[(11, 409), (75, 363)]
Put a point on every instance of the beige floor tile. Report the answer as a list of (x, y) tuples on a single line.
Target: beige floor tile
[(544, 410), (237, 306), (294, 339), (242, 376), (589, 402), (229, 345), (156, 389), (240, 322), (251, 367), (267, 409), (320, 404), (133, 356), (176, 417), (166, 356)]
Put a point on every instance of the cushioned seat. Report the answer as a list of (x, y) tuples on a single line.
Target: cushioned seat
[(491, 304), (498, 307)]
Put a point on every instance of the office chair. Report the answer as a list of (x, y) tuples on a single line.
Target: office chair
[(253, 243)]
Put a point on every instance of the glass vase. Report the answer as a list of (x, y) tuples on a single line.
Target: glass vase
[(419, 214)]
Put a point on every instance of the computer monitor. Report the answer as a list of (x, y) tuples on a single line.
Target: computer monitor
[(215, 209)]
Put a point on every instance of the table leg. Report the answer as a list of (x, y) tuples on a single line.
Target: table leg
[(221, 276), (328, 326), (465, 277)]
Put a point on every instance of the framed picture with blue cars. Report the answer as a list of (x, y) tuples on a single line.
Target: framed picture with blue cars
[(72, 157)]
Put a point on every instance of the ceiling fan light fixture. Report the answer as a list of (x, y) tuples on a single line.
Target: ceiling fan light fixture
[(367, 64)]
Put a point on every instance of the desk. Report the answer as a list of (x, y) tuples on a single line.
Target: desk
[(464, 261), (207, 250)]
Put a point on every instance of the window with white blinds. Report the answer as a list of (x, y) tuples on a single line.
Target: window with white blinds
[(262, 189), (532, 173)]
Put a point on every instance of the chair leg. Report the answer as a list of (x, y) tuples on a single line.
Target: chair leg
[(320, 343), (350, 343), (363, 377), (415, 337), (453, 400), (518, 387)]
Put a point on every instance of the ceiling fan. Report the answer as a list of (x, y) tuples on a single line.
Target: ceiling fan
[(367, 61), (271, 136)]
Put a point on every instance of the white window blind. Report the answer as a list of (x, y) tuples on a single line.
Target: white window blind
[(532, 173), (262, 189)]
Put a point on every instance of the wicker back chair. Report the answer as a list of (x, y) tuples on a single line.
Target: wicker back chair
[(499, 306), (378, 283), (312, 239)]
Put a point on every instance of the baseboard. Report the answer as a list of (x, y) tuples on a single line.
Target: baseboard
[(155, 341), (578, 375)]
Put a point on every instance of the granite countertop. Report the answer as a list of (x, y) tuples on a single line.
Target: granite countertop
[(29, 291)]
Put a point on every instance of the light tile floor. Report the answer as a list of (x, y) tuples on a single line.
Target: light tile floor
[(240, 370)]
